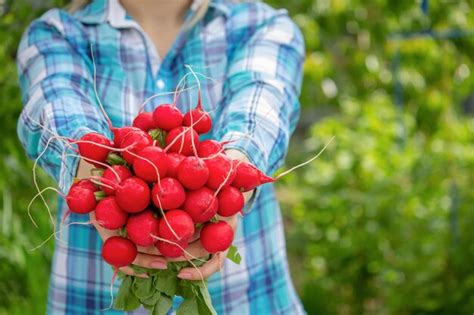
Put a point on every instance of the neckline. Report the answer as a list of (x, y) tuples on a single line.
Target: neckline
[(119, 18)]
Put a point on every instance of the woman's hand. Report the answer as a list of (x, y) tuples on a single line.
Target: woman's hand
[(150, 257), (195, 248), (147, 257)]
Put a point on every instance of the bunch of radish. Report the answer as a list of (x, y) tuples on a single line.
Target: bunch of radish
[(159, 185)]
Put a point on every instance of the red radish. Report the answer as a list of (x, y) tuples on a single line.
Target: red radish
[(120, 133), (182, 140), (133, 195), (174, 159), (231, 200), (144, 121), (119, 251), (135, 141), (221, 171), (91, 151), (216, 237), (110, 176), (167, 117), (171, 250), (168, 194), (151, 164), (193, 172), (248, 177), (86, 183), (109, 215), (208, 148), (142, 227), (81, 199), (201, 204), (199, 119), (176, 225)]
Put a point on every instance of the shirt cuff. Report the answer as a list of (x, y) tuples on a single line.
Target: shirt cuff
[(249, 147), (70, 162), (245, 144)]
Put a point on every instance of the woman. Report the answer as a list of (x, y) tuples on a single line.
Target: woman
[(254, 56)]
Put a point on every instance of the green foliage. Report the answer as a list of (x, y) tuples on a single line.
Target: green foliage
[(155, 293), (380, 223), (375, 215), (234, 255), (23, 273)]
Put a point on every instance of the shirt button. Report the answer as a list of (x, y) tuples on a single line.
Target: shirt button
[(160, 84)]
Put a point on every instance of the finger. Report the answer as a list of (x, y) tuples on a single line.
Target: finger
[(196, 234), (150, 261), (84, 169), (203, 272), (150, 250), (129, 271), (104, 233), (193, 251), (233, 220)]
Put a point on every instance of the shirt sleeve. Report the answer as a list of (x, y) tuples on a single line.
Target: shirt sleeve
[(260, 106), (56, 82)]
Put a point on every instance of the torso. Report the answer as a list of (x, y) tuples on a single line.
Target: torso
[(128, 72)]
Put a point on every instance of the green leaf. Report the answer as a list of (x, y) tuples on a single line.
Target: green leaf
[(149, 307), (188, 307), (152, 300), (143, 288), (124, 291), (166, 281), (163, 305), (99, 195), (201, 261), (125, 299), (178, 265), (115, 159), (233, 254), (204, 300), (158, 135), (186, 289), (138, 269)]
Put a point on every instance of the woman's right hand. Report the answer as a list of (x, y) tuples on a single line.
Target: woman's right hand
[(147, 257)]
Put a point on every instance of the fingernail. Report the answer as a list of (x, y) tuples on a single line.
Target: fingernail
[(158, 264), (185, 275)]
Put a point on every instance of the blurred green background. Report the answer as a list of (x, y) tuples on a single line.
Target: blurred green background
[(382, 222)]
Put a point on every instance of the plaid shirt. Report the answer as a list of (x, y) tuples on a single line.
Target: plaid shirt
[(253, 54)]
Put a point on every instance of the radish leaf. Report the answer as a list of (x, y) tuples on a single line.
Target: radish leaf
[(126, 300), (204, 304), (166, 282), (189, 306), (162, 306), (233, 254), (152, 300), (143, 288)]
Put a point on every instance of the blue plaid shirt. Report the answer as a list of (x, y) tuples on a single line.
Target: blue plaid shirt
[(253, 54)]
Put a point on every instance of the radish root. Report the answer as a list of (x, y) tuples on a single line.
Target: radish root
[(307, 162)]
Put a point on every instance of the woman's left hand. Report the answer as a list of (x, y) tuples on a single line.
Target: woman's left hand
[(215, 263), (196, 250)]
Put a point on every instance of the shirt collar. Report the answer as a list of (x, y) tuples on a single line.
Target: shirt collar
[(100, 11)]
